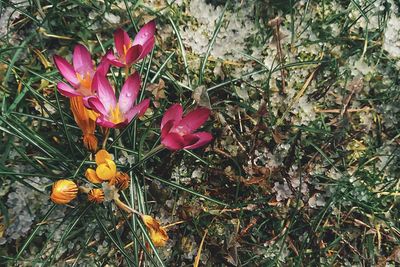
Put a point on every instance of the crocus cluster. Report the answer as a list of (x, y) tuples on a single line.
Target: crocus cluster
[(93, 101), (64, 191), (92, 97)]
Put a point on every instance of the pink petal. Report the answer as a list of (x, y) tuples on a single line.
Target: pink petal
[(129, 92), (196, 140), (137, 110), (67, 90), (166, 129), (104, 91), (173, 141), (173, 113), (66, 70), (104, 64), (133, 54), (86, 101), (145, 33), (94, 103), (82, 60), (194, 119), (116, 62), (121, 38), (147, 47), (102, 121)]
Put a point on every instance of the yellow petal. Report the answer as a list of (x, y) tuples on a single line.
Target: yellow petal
[(106, 171), (157, 233), (91, 175), (92, 114), (101, 156)]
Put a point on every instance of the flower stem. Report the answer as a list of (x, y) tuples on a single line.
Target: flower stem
[(84, 189), (106, 134), (125, 207), (126, 72)]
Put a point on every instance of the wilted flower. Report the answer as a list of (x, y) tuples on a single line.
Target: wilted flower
[(86, 120), (177, 132), (96, 195), (80, 74), (130, 52), (157, 233), (63, 191), (115, 114), (122, 180)]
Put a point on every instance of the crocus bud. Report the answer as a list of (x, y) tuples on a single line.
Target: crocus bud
[(157, 233), (96, 195), (63, 191)]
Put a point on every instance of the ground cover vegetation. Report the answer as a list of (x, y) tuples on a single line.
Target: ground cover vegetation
[(202, 132)]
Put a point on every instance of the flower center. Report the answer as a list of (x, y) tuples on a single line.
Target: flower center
[(181, 130), (85, 83), (116, 116), (126, 48)]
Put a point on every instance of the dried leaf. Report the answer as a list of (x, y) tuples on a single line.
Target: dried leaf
[(200, 95), (157, 90), (197, 259)]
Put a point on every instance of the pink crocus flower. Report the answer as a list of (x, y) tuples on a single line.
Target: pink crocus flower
[(80, 74), (177, 132), (130, 52), (115, 114)]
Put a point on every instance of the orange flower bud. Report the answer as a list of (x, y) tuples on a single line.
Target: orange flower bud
[(91, 175), (96, 195), (63, 191), (157, 233), (122, 180)]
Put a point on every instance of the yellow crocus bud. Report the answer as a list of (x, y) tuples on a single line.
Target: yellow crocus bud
[(63, 191), (101, 156), (96, 195), (122, 180), (91, 175), (107, 170), (157, 233)]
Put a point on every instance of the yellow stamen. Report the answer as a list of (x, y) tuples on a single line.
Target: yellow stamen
[(126, 48), (116, 115), (85, 83)]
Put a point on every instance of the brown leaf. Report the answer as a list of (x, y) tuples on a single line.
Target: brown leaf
[(157, 90), (200, 95)]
